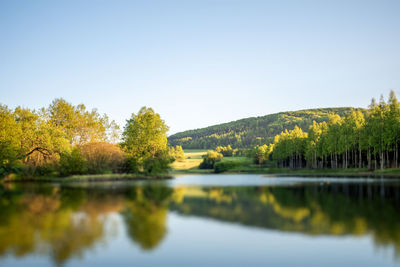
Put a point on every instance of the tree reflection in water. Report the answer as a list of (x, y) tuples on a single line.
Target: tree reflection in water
[(145, 214), (329, 209), (64, 222)]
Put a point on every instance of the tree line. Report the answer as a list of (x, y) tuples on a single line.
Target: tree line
[(64, 139), (362, 139), (249, 132)]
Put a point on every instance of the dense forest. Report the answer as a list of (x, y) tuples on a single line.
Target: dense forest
[(249, 132), (368, 139)]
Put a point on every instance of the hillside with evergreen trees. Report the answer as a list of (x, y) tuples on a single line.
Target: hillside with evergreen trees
[(253, 131)]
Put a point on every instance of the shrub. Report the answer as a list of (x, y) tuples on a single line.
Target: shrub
[(210, 159), (130, 165), (102, 157), (224, 166), (46, 170), (72, 163), (177, 153), (8, 158), (226, 151), (15, 168), (157, 165)]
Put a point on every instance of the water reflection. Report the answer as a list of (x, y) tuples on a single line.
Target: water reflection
[(145, 214), (314, 210), (63, 222)]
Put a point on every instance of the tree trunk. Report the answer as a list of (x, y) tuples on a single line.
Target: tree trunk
[(316, 162), (387, 159), (355, 158), (336, 161), (344, 159), (369, 158)]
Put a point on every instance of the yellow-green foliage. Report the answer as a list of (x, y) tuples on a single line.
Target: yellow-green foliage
[(247, 133), (261, 154), (210, 159), (357, 140), (289, 143), (145, 142), (102, 157), (226, 151), (33, 140), (177, 153), (81, 126)]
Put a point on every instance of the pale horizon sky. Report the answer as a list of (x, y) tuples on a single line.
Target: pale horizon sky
[(198, 63)]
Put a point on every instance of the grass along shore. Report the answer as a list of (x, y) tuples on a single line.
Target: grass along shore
[(193, 158), (87, 178)]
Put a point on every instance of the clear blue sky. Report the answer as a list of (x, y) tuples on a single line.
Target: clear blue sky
[(198, 63)]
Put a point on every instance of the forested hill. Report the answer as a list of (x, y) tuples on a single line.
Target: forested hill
[(252, 131)]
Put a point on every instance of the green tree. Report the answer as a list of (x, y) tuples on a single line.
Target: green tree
[(80, 125), (313, 152), (392, 133), (10, 136), (145, 142), (333, 137), (261, 154), (289, 148), (72, 163), (376, 132), (42, 141)]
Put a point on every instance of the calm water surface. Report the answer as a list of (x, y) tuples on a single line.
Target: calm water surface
[(204, 220)]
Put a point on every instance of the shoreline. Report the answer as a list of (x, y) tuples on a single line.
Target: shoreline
[(339, 175), (267, 172), (300, 173), (89, 178)]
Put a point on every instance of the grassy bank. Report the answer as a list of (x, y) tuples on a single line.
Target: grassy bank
[(245, 165), (390, 173), (193, 159), (86, 178)]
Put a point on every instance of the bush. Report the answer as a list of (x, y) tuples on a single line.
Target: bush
[(46, 170), (177, 153), (102, 157), (130, 165), (210, 159), (157, 165), (15, 168), (224, 166), (72, 163), (9, 162), (226, 151)]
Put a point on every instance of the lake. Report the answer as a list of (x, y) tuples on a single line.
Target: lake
[(203, 220)]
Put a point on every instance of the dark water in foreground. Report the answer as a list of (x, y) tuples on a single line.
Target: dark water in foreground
[(212, 220)]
